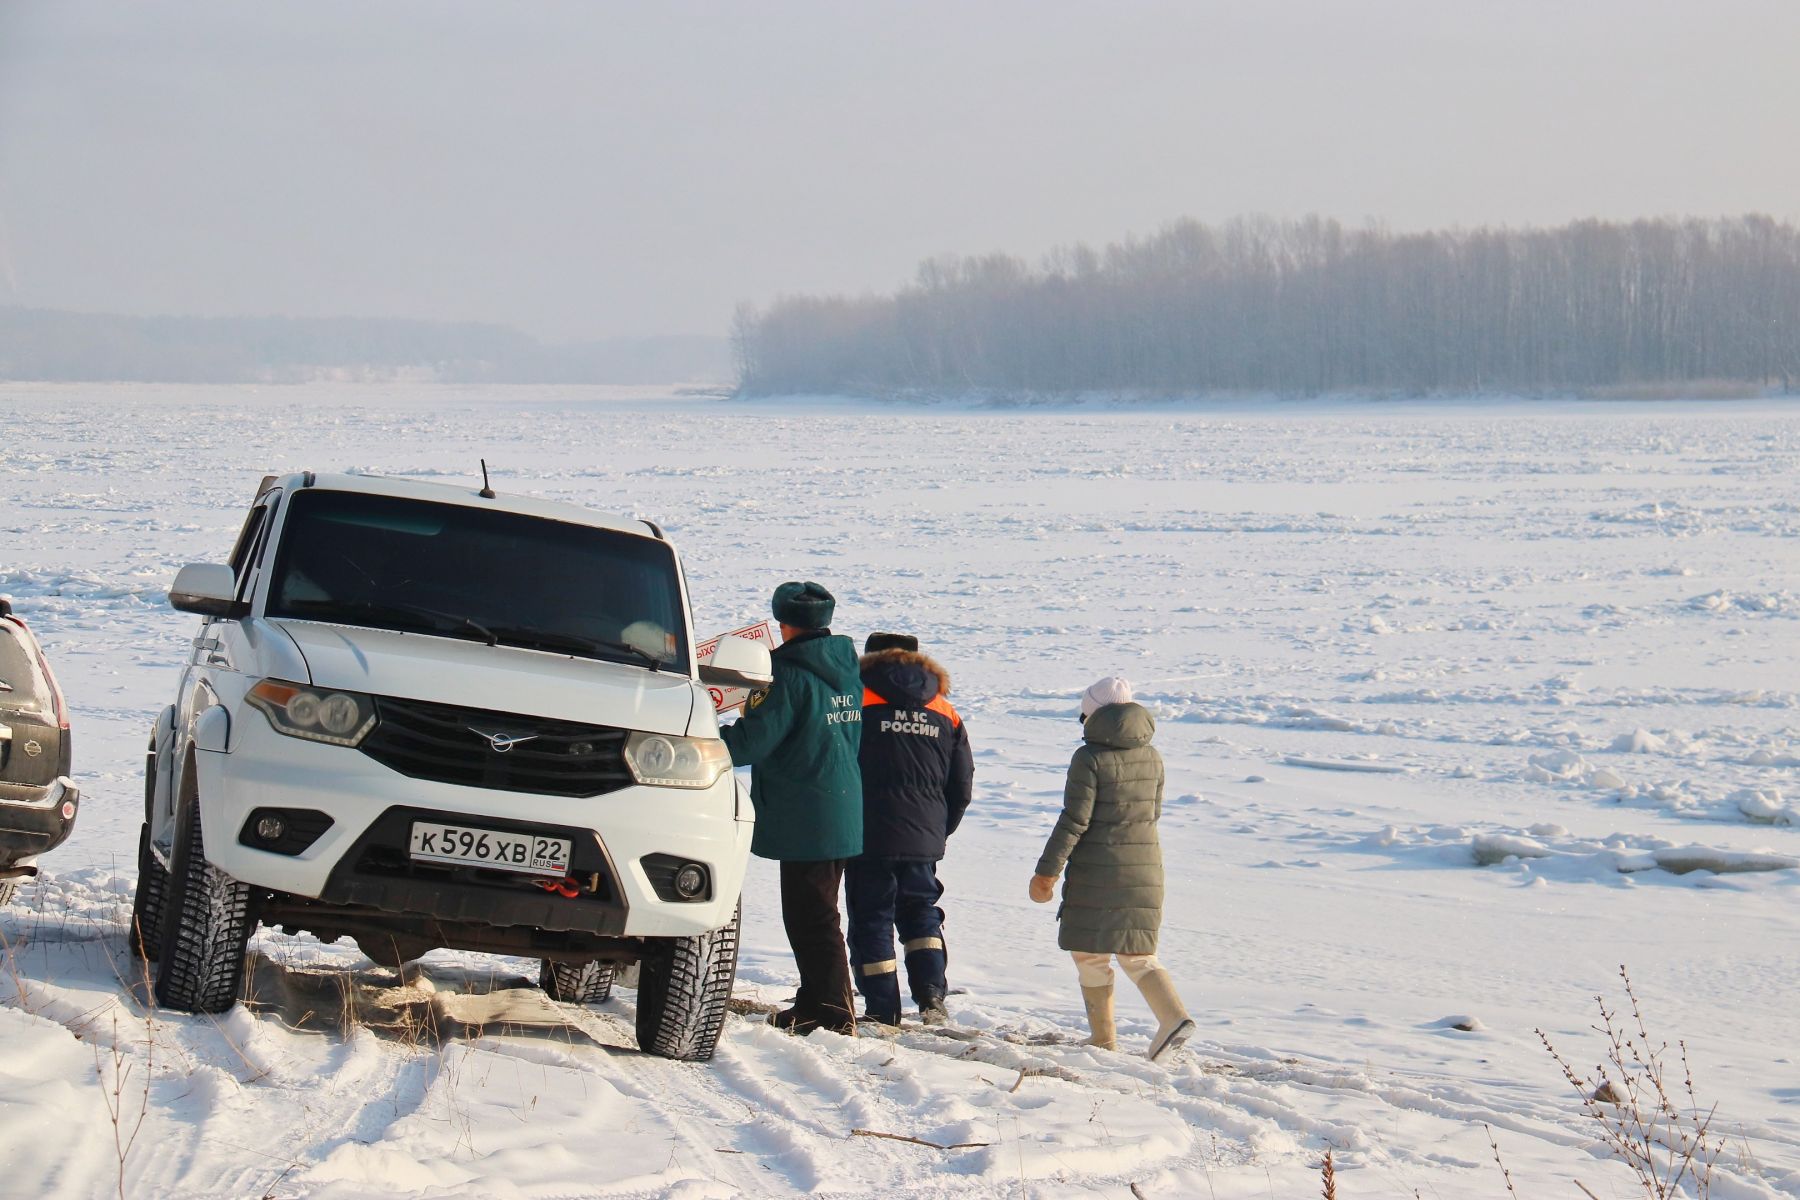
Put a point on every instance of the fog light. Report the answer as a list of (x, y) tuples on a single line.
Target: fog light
[(270, 829), (690, 881)]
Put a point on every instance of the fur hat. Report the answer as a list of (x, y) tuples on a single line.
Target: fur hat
[(1111, 690), (898, 657), (803, 605), (890, 641)]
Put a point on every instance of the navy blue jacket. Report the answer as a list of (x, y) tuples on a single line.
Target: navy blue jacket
[(917, 769)]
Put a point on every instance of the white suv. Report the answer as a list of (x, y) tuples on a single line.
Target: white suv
[(425, 716)]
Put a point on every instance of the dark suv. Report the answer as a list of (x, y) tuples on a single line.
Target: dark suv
[(37, 799)]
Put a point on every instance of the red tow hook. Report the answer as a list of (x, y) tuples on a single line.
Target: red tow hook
[(563, 887)]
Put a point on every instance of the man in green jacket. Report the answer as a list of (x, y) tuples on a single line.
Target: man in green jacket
[(800, 737)]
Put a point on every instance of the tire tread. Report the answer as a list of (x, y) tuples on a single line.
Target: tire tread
[(684, 984), (576, 983), (208, 919), (150, 904)]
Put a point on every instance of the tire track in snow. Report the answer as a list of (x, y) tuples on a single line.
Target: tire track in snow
[(783, 1103)]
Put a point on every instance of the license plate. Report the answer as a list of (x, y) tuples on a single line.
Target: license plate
[(523, 852)]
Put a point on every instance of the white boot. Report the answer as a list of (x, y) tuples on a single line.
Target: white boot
[(1099, 1001), (1173, 1027)]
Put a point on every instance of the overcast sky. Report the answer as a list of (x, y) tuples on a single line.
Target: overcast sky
[(593, 169)]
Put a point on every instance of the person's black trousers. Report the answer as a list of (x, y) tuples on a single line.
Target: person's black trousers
[(882, 894), (809, 910)]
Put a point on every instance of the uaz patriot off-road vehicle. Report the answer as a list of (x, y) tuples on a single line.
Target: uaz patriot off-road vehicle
[(427, 716)]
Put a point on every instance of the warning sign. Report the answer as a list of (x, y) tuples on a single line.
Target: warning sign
[(727, 699)]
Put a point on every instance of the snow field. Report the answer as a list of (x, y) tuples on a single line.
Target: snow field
[(1463, 706)]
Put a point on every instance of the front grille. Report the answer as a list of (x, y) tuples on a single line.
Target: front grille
[(447, 743)]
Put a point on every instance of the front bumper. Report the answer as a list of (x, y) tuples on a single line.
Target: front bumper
[(371, 807), (36, 819), (376, 873)]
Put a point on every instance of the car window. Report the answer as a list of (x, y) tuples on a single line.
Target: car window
[(479, 573), (253, 562), (246, 540), (22, 685)]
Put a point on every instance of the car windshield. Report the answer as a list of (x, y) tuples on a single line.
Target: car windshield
[(479, 573)]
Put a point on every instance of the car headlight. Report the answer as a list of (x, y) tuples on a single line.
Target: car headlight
[(316, 714), (669, 761)]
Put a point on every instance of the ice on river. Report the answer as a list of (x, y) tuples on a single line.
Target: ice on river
[(1544, 656)]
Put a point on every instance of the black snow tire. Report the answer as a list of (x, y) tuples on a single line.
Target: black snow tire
[(683, 986), (151, 901), (8, 888), (207, 921), (153, 878), (576, 983)]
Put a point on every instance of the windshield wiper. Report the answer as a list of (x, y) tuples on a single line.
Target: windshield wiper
[(455, 624), (539, 639), (449, 624)]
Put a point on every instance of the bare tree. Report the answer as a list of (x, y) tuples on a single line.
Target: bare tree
[(1308, 306)]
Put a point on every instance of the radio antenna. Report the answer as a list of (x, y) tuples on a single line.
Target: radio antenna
[(487, 489)]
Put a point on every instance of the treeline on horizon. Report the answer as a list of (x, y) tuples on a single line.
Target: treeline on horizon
[(1308, 306), (51, 345)]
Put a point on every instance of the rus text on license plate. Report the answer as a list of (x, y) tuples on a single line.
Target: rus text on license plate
[(524, 852)]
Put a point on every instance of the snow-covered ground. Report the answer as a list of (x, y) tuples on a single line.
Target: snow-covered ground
[(1555, 643)]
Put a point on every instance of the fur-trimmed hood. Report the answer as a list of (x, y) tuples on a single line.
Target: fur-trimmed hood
[(908, 658), (917, 769)]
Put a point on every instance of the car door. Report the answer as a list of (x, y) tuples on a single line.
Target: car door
[(212, 673), (228, 647)]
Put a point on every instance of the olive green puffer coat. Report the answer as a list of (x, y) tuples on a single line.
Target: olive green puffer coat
[(1112, 899)]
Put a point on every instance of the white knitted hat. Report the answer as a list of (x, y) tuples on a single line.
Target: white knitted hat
[(1111, 690)]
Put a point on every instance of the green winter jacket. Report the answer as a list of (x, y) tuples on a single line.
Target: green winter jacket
[(1112, 899), (800, 736)]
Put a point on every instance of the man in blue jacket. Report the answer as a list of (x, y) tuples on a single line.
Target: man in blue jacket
[(917, 772), (800, 736)]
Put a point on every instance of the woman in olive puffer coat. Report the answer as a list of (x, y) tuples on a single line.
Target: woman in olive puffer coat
[(1112, 900)]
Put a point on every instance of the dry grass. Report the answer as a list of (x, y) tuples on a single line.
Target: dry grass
[(114, 1068), (1501, 1163), (1669, 1146)]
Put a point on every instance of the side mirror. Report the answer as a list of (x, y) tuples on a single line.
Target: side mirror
[(207, 589), (739, 662)]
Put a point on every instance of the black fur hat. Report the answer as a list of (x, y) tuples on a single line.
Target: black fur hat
[(891, 641)]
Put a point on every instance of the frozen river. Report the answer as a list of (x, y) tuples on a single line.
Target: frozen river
[(1555, 643)]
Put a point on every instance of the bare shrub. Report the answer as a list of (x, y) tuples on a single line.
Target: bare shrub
[(113, 1067), (1668, 1146)]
